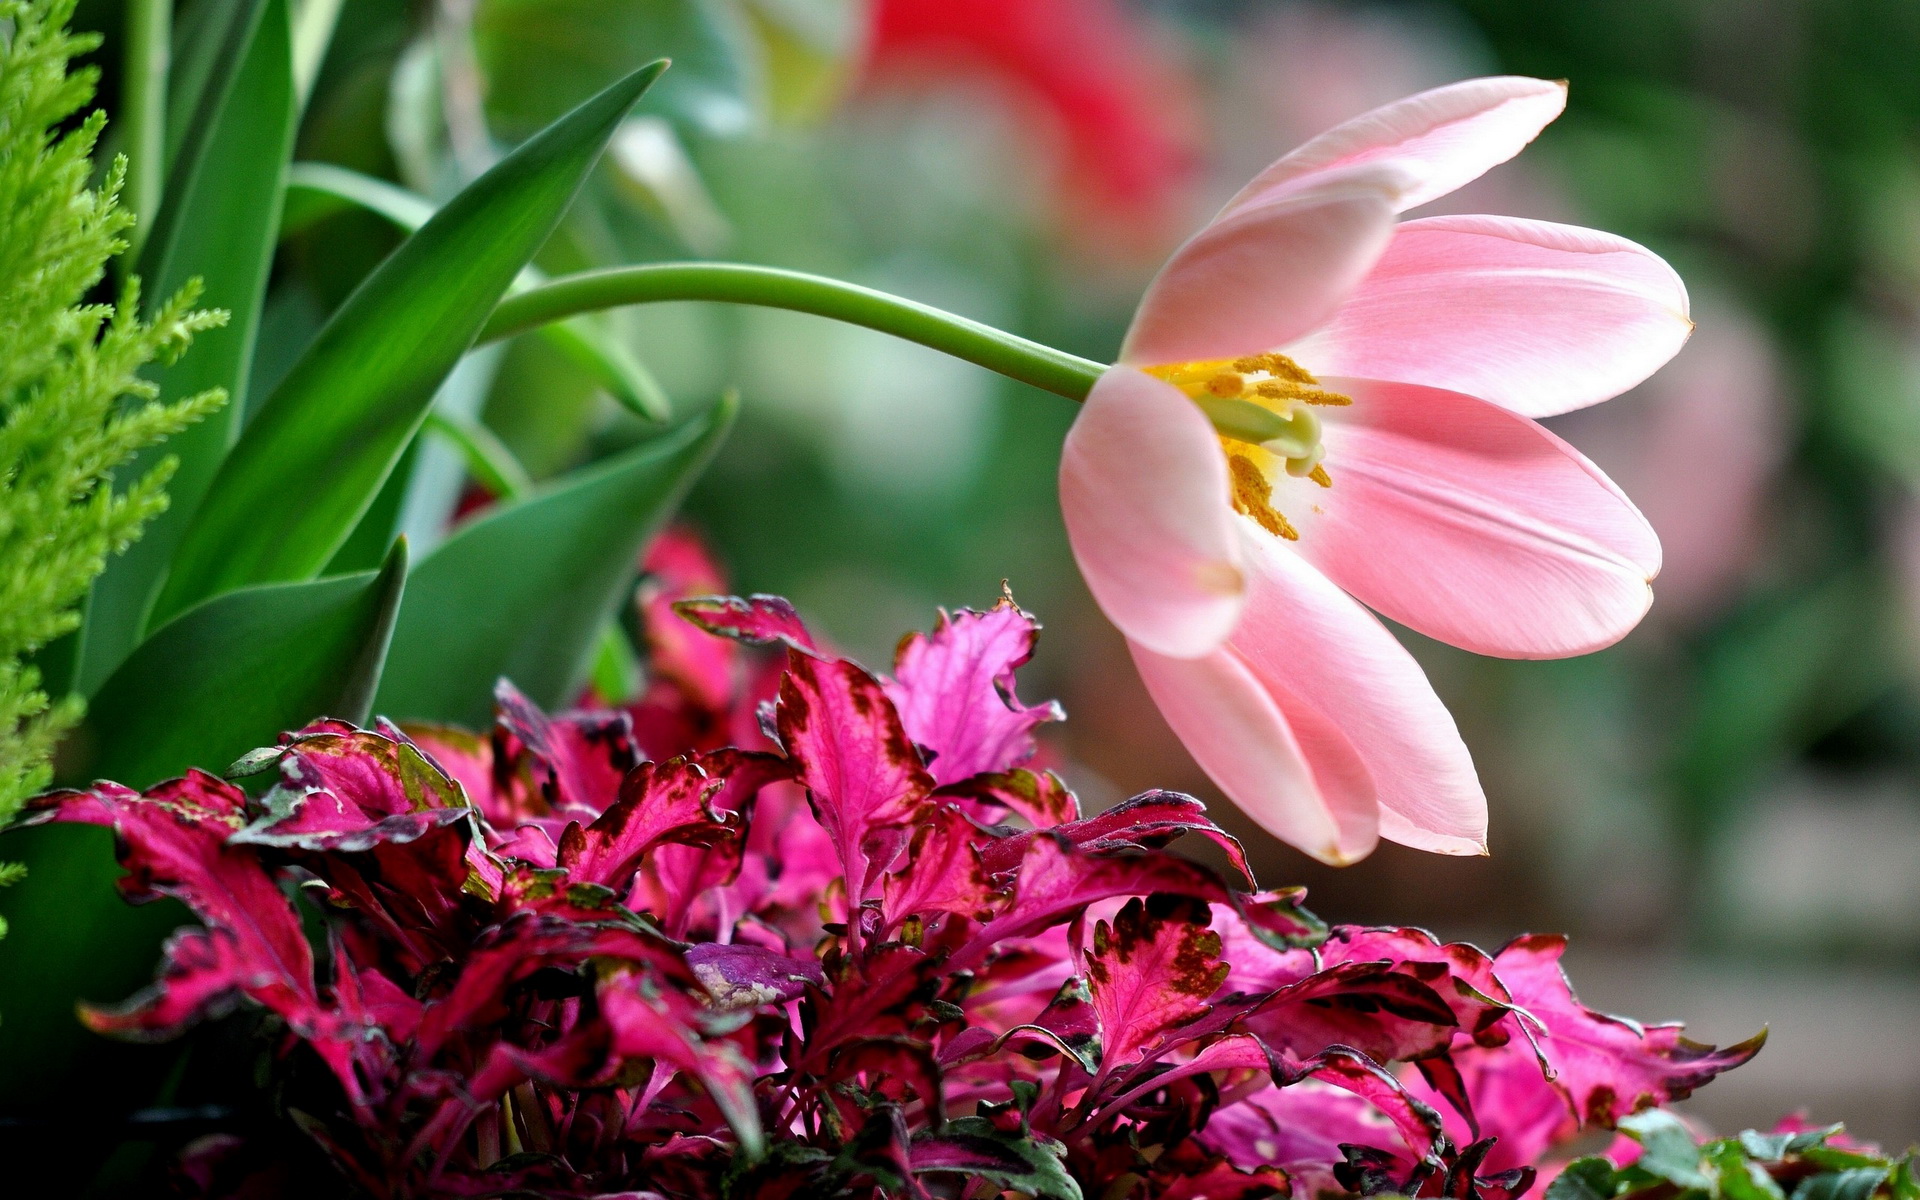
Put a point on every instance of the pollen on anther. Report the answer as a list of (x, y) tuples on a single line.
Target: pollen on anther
[(1253, 495), (1227, 384), (1319, 475)]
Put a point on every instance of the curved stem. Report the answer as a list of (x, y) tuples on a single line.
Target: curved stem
[(770, 287)]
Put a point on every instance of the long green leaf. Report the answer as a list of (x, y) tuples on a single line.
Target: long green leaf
[(317, 190), (221, 679), (219, 224), (524, 592), (315, 455)]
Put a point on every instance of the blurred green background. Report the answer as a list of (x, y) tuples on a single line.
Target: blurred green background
[(1724, 810)]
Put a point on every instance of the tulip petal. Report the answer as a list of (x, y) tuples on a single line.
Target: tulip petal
[(1315, 647), (1457, 133), (1270, 272), (1537, 317), (1287, 768), (1475, 526), (1144, 491)]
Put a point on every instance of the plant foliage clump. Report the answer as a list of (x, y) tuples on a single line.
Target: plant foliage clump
[(73, 406), (783, 926)]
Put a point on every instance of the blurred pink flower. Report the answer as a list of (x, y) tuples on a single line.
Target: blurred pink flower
[(1411, 478), (1087, 68)]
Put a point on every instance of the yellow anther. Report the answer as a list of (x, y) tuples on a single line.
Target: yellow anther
[(1253, 495), (1319, 475), (1227, 385)]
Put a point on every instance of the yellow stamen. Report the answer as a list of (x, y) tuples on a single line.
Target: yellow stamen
[(1253, 495), (1288, 440)]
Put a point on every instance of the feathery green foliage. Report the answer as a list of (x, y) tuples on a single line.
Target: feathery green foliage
[(72, 404)]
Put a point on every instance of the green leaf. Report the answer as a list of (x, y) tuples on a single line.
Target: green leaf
[(525, 590), (222, 679), (975, 1148), (318, 190), (317, 452), (1591, 1178), (230, 674), (541, 55), (1667, 1148), (1741, 1178), (1855, 1183), (219, 223)]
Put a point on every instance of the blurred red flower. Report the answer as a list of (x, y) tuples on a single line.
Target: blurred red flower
[(1121, 110)]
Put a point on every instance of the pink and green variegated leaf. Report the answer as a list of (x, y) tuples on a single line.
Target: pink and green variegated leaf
[(1041, 799), (467, 759), (1152, 970), (1385, 1014), (859, 767), (1237, 1053), (175, 840), (1056, 882), (1418, 1125), (658, 803), (941, 872), (755, 620), (348, 790), (954, 689), (974, 1148), (1149, 821), (1300, 1129), (203, 974), (744, 976), (1606, 1067), (1069, 1023), (576, 760), (1462, 974)]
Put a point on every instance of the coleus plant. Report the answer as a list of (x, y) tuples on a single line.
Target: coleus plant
[(785, 924)]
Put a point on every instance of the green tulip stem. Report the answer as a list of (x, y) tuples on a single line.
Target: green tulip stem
[(770, 287)]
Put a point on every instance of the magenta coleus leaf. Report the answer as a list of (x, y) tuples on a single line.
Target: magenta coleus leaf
[(1149, 821), (755, 620), (1153, 969), (954, 689), (658, 803), (1371, 1007), (945, 873), (854, 756), (576, 761), (176, 840), (1041, 799), (1606, 1067)]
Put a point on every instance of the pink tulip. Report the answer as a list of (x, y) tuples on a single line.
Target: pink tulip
[(1317, 409)]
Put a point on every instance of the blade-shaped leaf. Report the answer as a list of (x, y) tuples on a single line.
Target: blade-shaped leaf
[(316, 453), (220, 680), (317, 190), (524, 591), (219, 224)]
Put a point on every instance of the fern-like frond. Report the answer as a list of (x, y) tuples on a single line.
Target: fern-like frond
[(73, 406)]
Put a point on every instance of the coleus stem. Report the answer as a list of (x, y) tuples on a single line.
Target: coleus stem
[(771, 287)]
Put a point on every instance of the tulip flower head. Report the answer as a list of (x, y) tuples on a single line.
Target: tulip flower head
[(1321, 410)]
